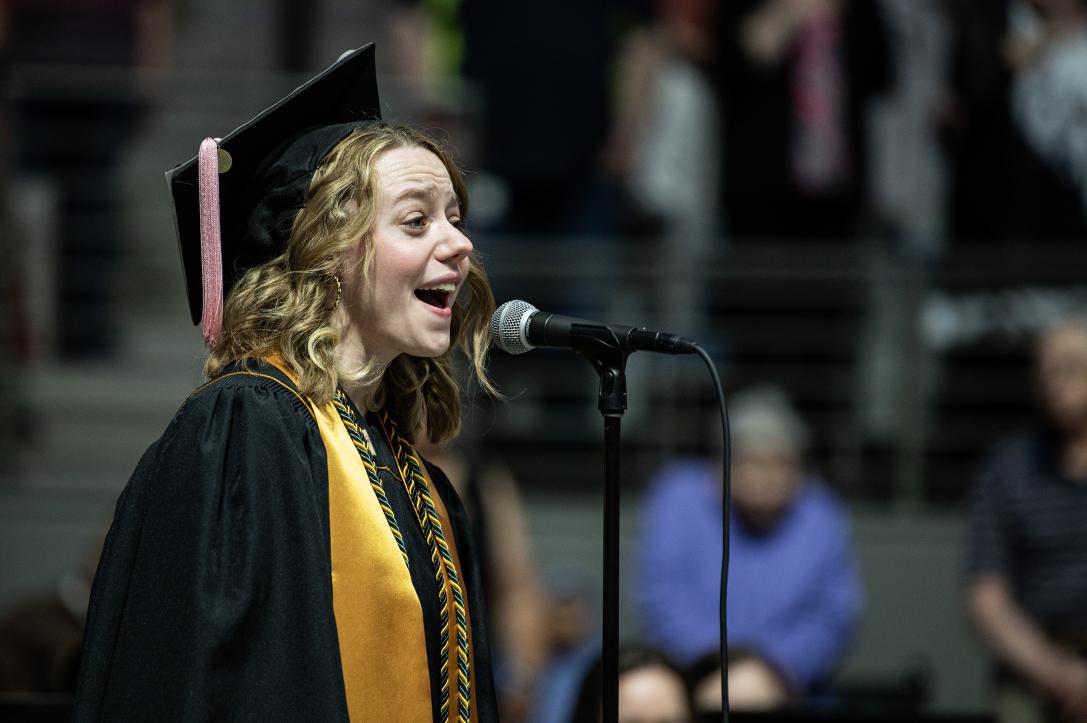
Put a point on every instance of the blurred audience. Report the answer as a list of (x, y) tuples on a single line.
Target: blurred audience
[(558, 93), (796, 78), (975, 125), (572, 646), (673, 116), (41, 635), (81, 78), (794, 593), (1026, 569), (11, 343), (665, 150), (908, 175), (704, 680), (40, 642), (651, 690), (1047, 50), (1010, 124), (534, 64)]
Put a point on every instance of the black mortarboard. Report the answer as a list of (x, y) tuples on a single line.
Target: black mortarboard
[(264, 170)]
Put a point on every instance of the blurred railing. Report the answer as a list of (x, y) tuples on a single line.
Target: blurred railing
[(896, 419), (900, 415)]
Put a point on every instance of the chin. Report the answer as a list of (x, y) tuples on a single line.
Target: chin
[(430, 350)]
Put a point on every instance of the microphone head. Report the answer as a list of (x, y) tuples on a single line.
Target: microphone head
[(509, 325)]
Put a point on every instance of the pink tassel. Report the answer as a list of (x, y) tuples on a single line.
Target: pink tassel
[(211, 250)]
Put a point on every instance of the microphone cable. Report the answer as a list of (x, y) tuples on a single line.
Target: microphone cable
[(726, 502)]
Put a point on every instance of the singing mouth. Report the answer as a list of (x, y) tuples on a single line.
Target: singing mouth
[(439, 296)]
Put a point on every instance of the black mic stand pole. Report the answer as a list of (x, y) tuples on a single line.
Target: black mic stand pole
[(608, 355)]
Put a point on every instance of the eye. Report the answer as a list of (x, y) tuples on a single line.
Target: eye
[(416, 223)]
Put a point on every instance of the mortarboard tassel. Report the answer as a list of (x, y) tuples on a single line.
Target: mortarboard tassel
[(211, 251)]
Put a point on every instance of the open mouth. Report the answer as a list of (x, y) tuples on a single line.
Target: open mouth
[(439, 296)]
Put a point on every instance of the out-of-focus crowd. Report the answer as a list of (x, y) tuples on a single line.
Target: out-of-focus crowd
[(772, 118), (693, 121), (795, 593), (926, 122)]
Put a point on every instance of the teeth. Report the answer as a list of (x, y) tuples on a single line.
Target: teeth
[(449, 288)]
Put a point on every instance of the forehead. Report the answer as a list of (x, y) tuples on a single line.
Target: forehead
[(653, 690), (411, 169)]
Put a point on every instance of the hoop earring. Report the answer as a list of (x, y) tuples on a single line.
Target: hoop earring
[(339, 293)]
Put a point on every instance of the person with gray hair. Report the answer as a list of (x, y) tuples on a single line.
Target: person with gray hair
[(794, 591)]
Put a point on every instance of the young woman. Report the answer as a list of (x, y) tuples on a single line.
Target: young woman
[(282, 552)]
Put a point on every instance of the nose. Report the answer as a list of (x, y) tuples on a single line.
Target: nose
[(454, 245)]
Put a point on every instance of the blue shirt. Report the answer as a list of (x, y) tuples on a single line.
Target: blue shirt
[(794, 594)]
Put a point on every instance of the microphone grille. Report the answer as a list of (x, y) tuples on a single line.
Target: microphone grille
[(508, 326)]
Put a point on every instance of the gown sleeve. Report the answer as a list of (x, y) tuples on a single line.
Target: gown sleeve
[(213, 597)]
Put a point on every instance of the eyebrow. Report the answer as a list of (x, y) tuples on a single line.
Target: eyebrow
[(424, 193)]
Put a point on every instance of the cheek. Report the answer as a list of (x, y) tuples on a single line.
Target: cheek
[(358, 287), (406, 260), (393, 274)]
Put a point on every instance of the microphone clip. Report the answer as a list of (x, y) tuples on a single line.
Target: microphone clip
[(604, 349)]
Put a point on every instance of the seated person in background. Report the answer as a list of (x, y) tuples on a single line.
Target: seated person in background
[(573, 643), (651, 689), (794, 594), (704, 681), (41, 634), (1026, 575)]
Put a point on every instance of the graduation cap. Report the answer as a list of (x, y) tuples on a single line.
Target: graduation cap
[(235, 203)]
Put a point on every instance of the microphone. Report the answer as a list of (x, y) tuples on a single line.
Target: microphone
[(518, 326)]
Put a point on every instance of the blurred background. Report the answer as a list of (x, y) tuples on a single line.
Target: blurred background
[(873, 206)]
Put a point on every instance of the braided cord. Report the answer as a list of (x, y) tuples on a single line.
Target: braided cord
[(365, 448), (414, 479)]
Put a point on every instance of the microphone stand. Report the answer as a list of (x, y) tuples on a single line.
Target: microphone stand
[(608, 355)]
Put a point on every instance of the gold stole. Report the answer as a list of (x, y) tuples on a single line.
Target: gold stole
[(379, 620)]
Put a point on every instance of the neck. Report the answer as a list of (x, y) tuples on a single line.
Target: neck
[(350, 358), (361, 394), (351, 355)]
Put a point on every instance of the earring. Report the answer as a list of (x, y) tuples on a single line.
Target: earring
[(339, 293)]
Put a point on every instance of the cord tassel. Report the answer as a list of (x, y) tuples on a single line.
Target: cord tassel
[(211, 249)]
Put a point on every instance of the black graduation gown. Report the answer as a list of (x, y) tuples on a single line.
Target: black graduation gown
[(213, 597)]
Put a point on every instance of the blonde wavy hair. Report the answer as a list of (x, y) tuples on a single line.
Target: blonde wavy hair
[(285, 306)]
